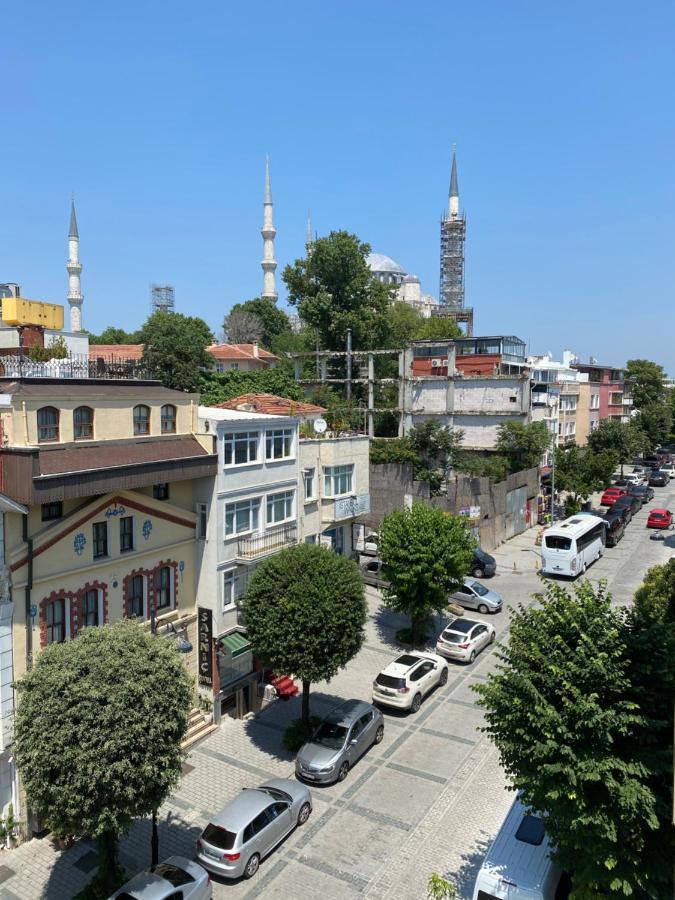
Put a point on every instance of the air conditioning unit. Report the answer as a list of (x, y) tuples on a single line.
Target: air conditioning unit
[(435, 363)]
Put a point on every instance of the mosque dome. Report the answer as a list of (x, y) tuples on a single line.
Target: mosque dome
[(379, 263)]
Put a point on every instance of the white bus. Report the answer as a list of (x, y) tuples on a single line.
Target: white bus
[(571, 546)]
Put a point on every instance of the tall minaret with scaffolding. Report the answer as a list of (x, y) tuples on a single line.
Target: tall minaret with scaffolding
[(268, 231), (453, 234), (74, 269)]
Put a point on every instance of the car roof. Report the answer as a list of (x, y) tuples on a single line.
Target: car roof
[(148, 886), (401, 668), (245, 806), (462, 626), (347, 712), (659, 510)]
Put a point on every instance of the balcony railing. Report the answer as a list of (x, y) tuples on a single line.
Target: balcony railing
[(256, 545), (113, 368)]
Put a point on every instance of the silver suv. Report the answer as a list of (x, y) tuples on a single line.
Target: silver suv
[(251, 826), (343, 736)]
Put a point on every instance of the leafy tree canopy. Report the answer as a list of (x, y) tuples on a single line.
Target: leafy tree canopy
[(656, 595), (425, 553), (99, 724), (306, 612), (581, 470), (655, 422), (523, 444), (113, 335), (216, 387), (273, 321), (403, 324), (175, 349), (624, 439), (334, 290), (437, 446), (648, 382), (581, 713), (478, 465), (242, 327), (438, 328)]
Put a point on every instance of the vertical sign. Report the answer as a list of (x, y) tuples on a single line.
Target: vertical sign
[(205, 645)]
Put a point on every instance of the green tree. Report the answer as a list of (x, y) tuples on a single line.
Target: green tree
[(523, 444), (242, 327), (334, 290), (567, 711), (647, 380), (403, 323), (175, 349), (580, 471), (99, 725), (624, 439), (216, 387), (113, 335), (438, 328), (479, 465), (273, 321), (655, 421), (306, 612), (437, 446), (656, 595), (425, 554)]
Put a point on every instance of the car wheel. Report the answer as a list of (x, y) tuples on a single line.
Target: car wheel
[(417, 702), (473, 656), (303, 815), (478, 572), (379, 734), (444, 677), (492, 637), (252, 866), (482, 608), (344, 768)]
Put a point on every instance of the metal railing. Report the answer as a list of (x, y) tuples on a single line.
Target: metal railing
[(80, 366), (256, 545)]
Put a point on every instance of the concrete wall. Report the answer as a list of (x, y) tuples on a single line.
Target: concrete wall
[(392, 487)]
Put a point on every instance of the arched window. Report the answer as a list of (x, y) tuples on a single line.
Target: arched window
[(168, 419), (83, 423), (141, 419), (48, 424)]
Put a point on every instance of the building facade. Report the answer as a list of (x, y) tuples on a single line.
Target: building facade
[(613, 393)]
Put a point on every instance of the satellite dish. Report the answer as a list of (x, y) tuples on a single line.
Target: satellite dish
[(320, 425)]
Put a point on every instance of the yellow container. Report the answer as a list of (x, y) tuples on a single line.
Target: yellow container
[(19, 311)]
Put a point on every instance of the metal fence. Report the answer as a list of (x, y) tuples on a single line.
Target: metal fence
[(80, 366)]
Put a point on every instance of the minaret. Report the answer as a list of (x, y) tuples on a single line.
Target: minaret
[(74, 269), (453, 233), (268, 231), (309, 241)]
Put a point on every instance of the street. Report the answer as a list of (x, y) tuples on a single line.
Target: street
[(429, 798)]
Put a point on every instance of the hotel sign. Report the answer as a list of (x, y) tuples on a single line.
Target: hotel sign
[(349, 507), (205, 646)]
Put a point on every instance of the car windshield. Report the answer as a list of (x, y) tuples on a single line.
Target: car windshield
[(390, 681), (172, 874), (451, 637), (218, 837), (482, 555), (478, 588), (276, 794), (329, 734)]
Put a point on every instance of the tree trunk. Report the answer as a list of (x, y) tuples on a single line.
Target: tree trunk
[(108, 868), (417, 624), (154, 840), (305, 702)]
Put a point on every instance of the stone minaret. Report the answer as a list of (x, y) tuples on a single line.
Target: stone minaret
[(74, 269), (268, 231), (453, 234), (309, 240)]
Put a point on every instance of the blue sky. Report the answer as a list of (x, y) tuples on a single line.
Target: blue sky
[(159, 115)]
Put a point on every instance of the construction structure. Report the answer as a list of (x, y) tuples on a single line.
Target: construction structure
[(162, 298), (453, 235)]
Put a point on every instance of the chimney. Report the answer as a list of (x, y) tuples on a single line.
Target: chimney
[(256, 352)]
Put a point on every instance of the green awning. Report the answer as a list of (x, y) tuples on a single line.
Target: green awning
[(236, 643)]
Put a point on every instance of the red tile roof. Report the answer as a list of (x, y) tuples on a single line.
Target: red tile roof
[(271, 405), (118, 351), (239, 351)]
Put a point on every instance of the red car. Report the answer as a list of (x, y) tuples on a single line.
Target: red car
[(611, 495), (660, 518)]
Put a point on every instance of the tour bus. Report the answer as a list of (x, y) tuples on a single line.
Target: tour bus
[(569, 547), (518, 865)]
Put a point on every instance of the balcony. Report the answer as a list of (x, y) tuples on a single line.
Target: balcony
[(256, 546)]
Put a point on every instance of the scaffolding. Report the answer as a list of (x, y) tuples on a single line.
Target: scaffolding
[(453, 234), (162, 298)]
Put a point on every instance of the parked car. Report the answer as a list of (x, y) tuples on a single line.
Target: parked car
[(343, 736), (474, 595), (633, 478), (669, 469), (659, 478), (406, 681), (660, 518), (622, 514), (483, 565), (643, 492), (370, 544), (251, 826), (631, 502), (616, 528), (612, 494), (464, 638), (175, 877)]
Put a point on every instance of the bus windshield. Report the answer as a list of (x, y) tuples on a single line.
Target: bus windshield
[(557, 542)]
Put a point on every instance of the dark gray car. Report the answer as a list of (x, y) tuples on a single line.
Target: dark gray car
[(339, 741)]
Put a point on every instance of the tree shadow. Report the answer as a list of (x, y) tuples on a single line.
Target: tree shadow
[(464, 878), (76, 867), (388, 623)]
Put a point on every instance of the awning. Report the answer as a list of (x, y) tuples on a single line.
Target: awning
[(236, 643)]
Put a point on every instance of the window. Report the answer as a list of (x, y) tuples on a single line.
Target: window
[(48, 424), (595, 401), (531, 830), (230, 587), (89, 608), (126, 534), (240, 447), (141, 419), (310, 539), (163, 588), (308, 478), (83, 423), (52, 511), (234, 365), (220, 367), (279, 443), (279, 507), (255, 827), (242, 517), (160, 491), (168, 419), (202, 518), (337, 480), (100, 535), (56, 622), (135, 596)]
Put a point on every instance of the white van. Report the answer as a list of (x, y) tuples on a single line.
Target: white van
[(518, 865)]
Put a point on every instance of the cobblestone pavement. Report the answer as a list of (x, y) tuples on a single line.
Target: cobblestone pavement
[(429, 798)]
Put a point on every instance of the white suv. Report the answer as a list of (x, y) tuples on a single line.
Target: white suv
[(408, 679)]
